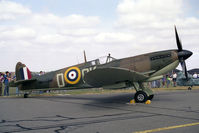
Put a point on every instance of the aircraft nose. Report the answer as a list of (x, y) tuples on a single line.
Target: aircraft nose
[(184, 54)]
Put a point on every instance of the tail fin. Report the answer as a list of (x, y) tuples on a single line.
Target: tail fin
[(22, 72)]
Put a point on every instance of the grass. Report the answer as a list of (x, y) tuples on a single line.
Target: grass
[(98, 91), (175, 88), (127, 90)]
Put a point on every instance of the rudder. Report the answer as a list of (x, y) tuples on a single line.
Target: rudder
[(22, 72)]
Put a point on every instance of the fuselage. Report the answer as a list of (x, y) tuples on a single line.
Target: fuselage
[(151, 64)]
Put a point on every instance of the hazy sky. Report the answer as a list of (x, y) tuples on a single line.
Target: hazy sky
[(52, 34)]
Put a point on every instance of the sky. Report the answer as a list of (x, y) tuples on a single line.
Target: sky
[(52, 34)]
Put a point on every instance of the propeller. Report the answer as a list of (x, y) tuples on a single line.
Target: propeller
[(184, 69), (182, 54), (179, 44)]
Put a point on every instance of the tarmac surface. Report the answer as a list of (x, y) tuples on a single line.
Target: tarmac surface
[(169, 112)]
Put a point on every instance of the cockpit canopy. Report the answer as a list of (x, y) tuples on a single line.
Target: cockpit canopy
[(102, 60), (105, 59)]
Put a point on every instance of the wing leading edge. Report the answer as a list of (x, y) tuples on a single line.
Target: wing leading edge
[(108, 76)]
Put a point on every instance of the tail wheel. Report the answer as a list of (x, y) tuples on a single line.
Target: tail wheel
[(25, 95), (140, 97)]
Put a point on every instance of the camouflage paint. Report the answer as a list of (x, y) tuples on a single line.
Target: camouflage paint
[(149, 63)]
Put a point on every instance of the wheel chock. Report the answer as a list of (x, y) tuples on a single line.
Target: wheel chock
[(148, 102), (132, 101)]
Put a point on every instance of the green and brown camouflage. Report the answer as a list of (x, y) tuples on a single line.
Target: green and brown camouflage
[(147, 65), (107, 73)]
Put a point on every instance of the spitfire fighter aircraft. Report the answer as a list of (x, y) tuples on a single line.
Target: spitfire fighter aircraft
[(112, 73)]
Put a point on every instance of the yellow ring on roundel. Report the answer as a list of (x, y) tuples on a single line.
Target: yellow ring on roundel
[(78, 74)]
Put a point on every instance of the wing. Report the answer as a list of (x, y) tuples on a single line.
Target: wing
[(108, 76)]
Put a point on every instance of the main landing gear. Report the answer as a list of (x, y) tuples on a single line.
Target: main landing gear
[(142, 94), (141, 97)]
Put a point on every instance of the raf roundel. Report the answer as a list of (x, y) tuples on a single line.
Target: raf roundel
[(72, 75)]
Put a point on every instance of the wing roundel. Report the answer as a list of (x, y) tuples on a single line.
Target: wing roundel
[(72, 75)]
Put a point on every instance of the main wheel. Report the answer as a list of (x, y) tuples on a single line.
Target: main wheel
[(140, 97), (150, 97), (25, 95)]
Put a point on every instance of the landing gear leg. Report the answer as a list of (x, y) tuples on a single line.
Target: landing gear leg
[(142, 93)]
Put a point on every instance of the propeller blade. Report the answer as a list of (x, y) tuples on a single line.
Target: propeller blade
[(178, 40), (182, 54), (184, 68)]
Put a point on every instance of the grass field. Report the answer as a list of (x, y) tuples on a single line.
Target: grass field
[(96, 91)]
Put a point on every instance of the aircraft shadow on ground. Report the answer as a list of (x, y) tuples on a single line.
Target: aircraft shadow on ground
[(98, 99)]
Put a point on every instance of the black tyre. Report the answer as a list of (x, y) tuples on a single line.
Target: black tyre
[(25, 95), (140, 97), (150, 97)]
